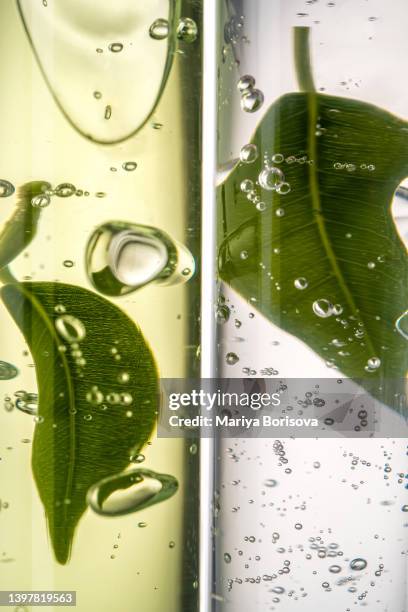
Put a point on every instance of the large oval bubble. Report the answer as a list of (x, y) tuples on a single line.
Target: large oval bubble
[(130, 491), (122, 257), (83, 46)]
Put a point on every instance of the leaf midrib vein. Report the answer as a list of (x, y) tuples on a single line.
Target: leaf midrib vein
[(71, 395), (317, 205)]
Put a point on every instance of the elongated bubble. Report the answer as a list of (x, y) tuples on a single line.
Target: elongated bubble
[(86, 46), (130, 492), (7, 371)]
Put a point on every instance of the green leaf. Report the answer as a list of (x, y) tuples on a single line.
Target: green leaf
[(336, 224), (87, 429), (21, 228)]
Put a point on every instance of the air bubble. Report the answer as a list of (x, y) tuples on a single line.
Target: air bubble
[(231, 358), (252, 100), (123, 257), (246, 82), (301, 283), (270, 482), (129, 166), (65, 190), (373, 363), (283, 188), (70, 328), (401, 325), (6, 188), (358, 564), (187, 30), (115, 47), (248, 154), (246, 185), (322, 308), (159, 30), (41, 201), (278, 158), (7, 371), (271, 178), (130, 491), (223, 314)]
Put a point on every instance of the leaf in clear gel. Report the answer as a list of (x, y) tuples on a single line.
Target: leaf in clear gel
[(321, 258), (21, 228), (98, 395)]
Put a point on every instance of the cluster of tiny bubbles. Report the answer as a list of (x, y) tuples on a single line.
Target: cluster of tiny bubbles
[(349, 167), (323, 308), (115, 47), (159, 30), (143, 488), (401, 325), (373, 364), (301, 283), (77, 355), (269, 372), (70, 328), (251, 98), (6, 188), (279, 450), (187, 30), (7, 371), (231, 358), (249, 154), (129, 166), (27, 402)]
